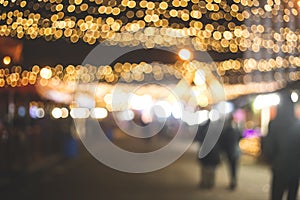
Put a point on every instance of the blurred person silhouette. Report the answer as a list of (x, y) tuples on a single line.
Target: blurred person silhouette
[(210, 162), (229, 144), (70, 143), (281, 148)]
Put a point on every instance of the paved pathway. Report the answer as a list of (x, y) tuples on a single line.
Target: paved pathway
[(86, 179)]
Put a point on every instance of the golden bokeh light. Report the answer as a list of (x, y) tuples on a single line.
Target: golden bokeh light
[(6, 60), (212, 25), (46, 73), (65, 19)]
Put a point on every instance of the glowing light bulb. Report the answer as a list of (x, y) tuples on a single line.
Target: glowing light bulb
[(6, 60), (46, 73), (185, 54), (56, 113)]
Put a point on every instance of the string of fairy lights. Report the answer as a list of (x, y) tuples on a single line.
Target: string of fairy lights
[(213, 25), (218, 25), (267, 33), (183, 9), (16, 76)]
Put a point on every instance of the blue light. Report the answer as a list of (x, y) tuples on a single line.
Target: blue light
[(21, 111)]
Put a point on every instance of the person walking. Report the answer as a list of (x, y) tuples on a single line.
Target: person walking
[(229, 144), (210, 162), (281, 148)]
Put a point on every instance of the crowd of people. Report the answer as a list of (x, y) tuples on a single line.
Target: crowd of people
[(22, 143), (280, 149)]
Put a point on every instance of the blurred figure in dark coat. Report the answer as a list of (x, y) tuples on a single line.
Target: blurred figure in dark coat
[(208, 163), (282, 149), (229, 144)]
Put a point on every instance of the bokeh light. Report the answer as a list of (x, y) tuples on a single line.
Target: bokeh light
[(185, 54), (6, 60)]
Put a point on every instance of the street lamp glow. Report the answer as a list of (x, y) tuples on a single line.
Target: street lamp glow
[(185, 54)]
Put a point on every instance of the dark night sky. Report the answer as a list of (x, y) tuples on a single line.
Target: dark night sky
[(63, 52)]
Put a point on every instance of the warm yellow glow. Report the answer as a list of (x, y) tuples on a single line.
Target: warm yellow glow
[(185, 54), (6, 60), (46, 73), (77, 2), (215, 36), (108, 98), (64, 112), (250, 146)]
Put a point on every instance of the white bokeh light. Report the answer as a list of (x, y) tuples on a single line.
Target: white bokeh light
[(46, 73), (79, 113), (214, 115), (99, 113), (140, 102), (294, 97), (56, 113), (185, 54), (263, 101)]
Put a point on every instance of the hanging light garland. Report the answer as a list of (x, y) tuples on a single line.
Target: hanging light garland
[(239, 71), (213, 25), (217, 25)]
